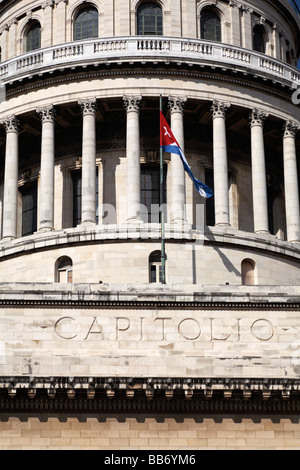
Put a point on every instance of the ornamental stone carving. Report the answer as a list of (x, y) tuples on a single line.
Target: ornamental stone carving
[(132, 103), (176, 103), (219, 108), (257, 117), (11, 124), (88, 106), (47, 114), (291, 128)]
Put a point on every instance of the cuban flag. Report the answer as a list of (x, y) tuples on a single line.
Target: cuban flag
[(169, 144)]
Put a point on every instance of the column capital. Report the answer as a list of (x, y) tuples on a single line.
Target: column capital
[(176, 103), (257, 117), (47, 113), (290, 129), (219, 108), (11, 124), (88, 106), (132, 103)]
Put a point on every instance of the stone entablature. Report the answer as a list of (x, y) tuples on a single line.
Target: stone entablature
[(121, 331)]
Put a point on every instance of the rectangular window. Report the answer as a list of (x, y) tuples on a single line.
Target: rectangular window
[(77, 196), (210, 203), (29, 208), (150, 192), (77, 190)]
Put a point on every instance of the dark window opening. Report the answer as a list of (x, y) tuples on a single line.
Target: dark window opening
[(210, 26), (29, 208), (259, 43), (77, 192), (86, 24), (150, 192), (33, 37), (76, 176), (273, 192), (149, 20), (210, 203)]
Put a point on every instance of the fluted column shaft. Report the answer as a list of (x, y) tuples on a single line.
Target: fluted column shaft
[(132, 106), (259, 177), (11, 178), (291, 186), (176, 105), (222, 216), (46, 186), (88, 203)]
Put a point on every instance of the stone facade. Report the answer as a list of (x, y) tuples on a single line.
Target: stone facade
[(95, 351)]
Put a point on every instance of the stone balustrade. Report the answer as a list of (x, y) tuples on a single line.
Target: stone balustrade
[(193, 51)]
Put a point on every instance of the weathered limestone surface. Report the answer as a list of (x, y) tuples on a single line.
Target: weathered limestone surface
[(92, 330)]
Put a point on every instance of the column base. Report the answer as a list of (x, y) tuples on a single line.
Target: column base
[(180, 221), (8, 239), (134, 221), (222, 225), (262, 232), (45, 229), (88, 223)]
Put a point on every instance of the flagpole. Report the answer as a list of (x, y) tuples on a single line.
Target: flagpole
[(162, 211)]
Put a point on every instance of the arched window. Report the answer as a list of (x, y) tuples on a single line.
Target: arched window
[(33, 36), (86, 24), (248, 272), (259, 39), (149, 19), (64, 270), (210, 25), (155, 267)]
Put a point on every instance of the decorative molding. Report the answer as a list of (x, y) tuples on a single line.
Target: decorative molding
[(11, 124), (219, 109), (132, 103), (291, 128), (126, 49), (88, 106), (257, 117), (161, 304), (127, 395), (47, 114), (12, 92), (176, 103)]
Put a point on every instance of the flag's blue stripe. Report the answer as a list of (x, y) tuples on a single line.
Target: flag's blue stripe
[(171, 149), (203, 190)]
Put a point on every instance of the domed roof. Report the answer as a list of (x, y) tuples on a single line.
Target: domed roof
[(296, 5)]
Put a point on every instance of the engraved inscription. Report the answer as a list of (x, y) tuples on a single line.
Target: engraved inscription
[(160, 329)]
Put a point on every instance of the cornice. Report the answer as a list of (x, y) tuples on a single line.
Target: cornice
[(211, 303), (284, 92), (89, 396)]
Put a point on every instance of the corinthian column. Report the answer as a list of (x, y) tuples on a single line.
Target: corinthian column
[(11, 178), (89, 204), (132, 106), (46, 187), (259, 177), (221, 195), (176, 105), (291, 187)]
